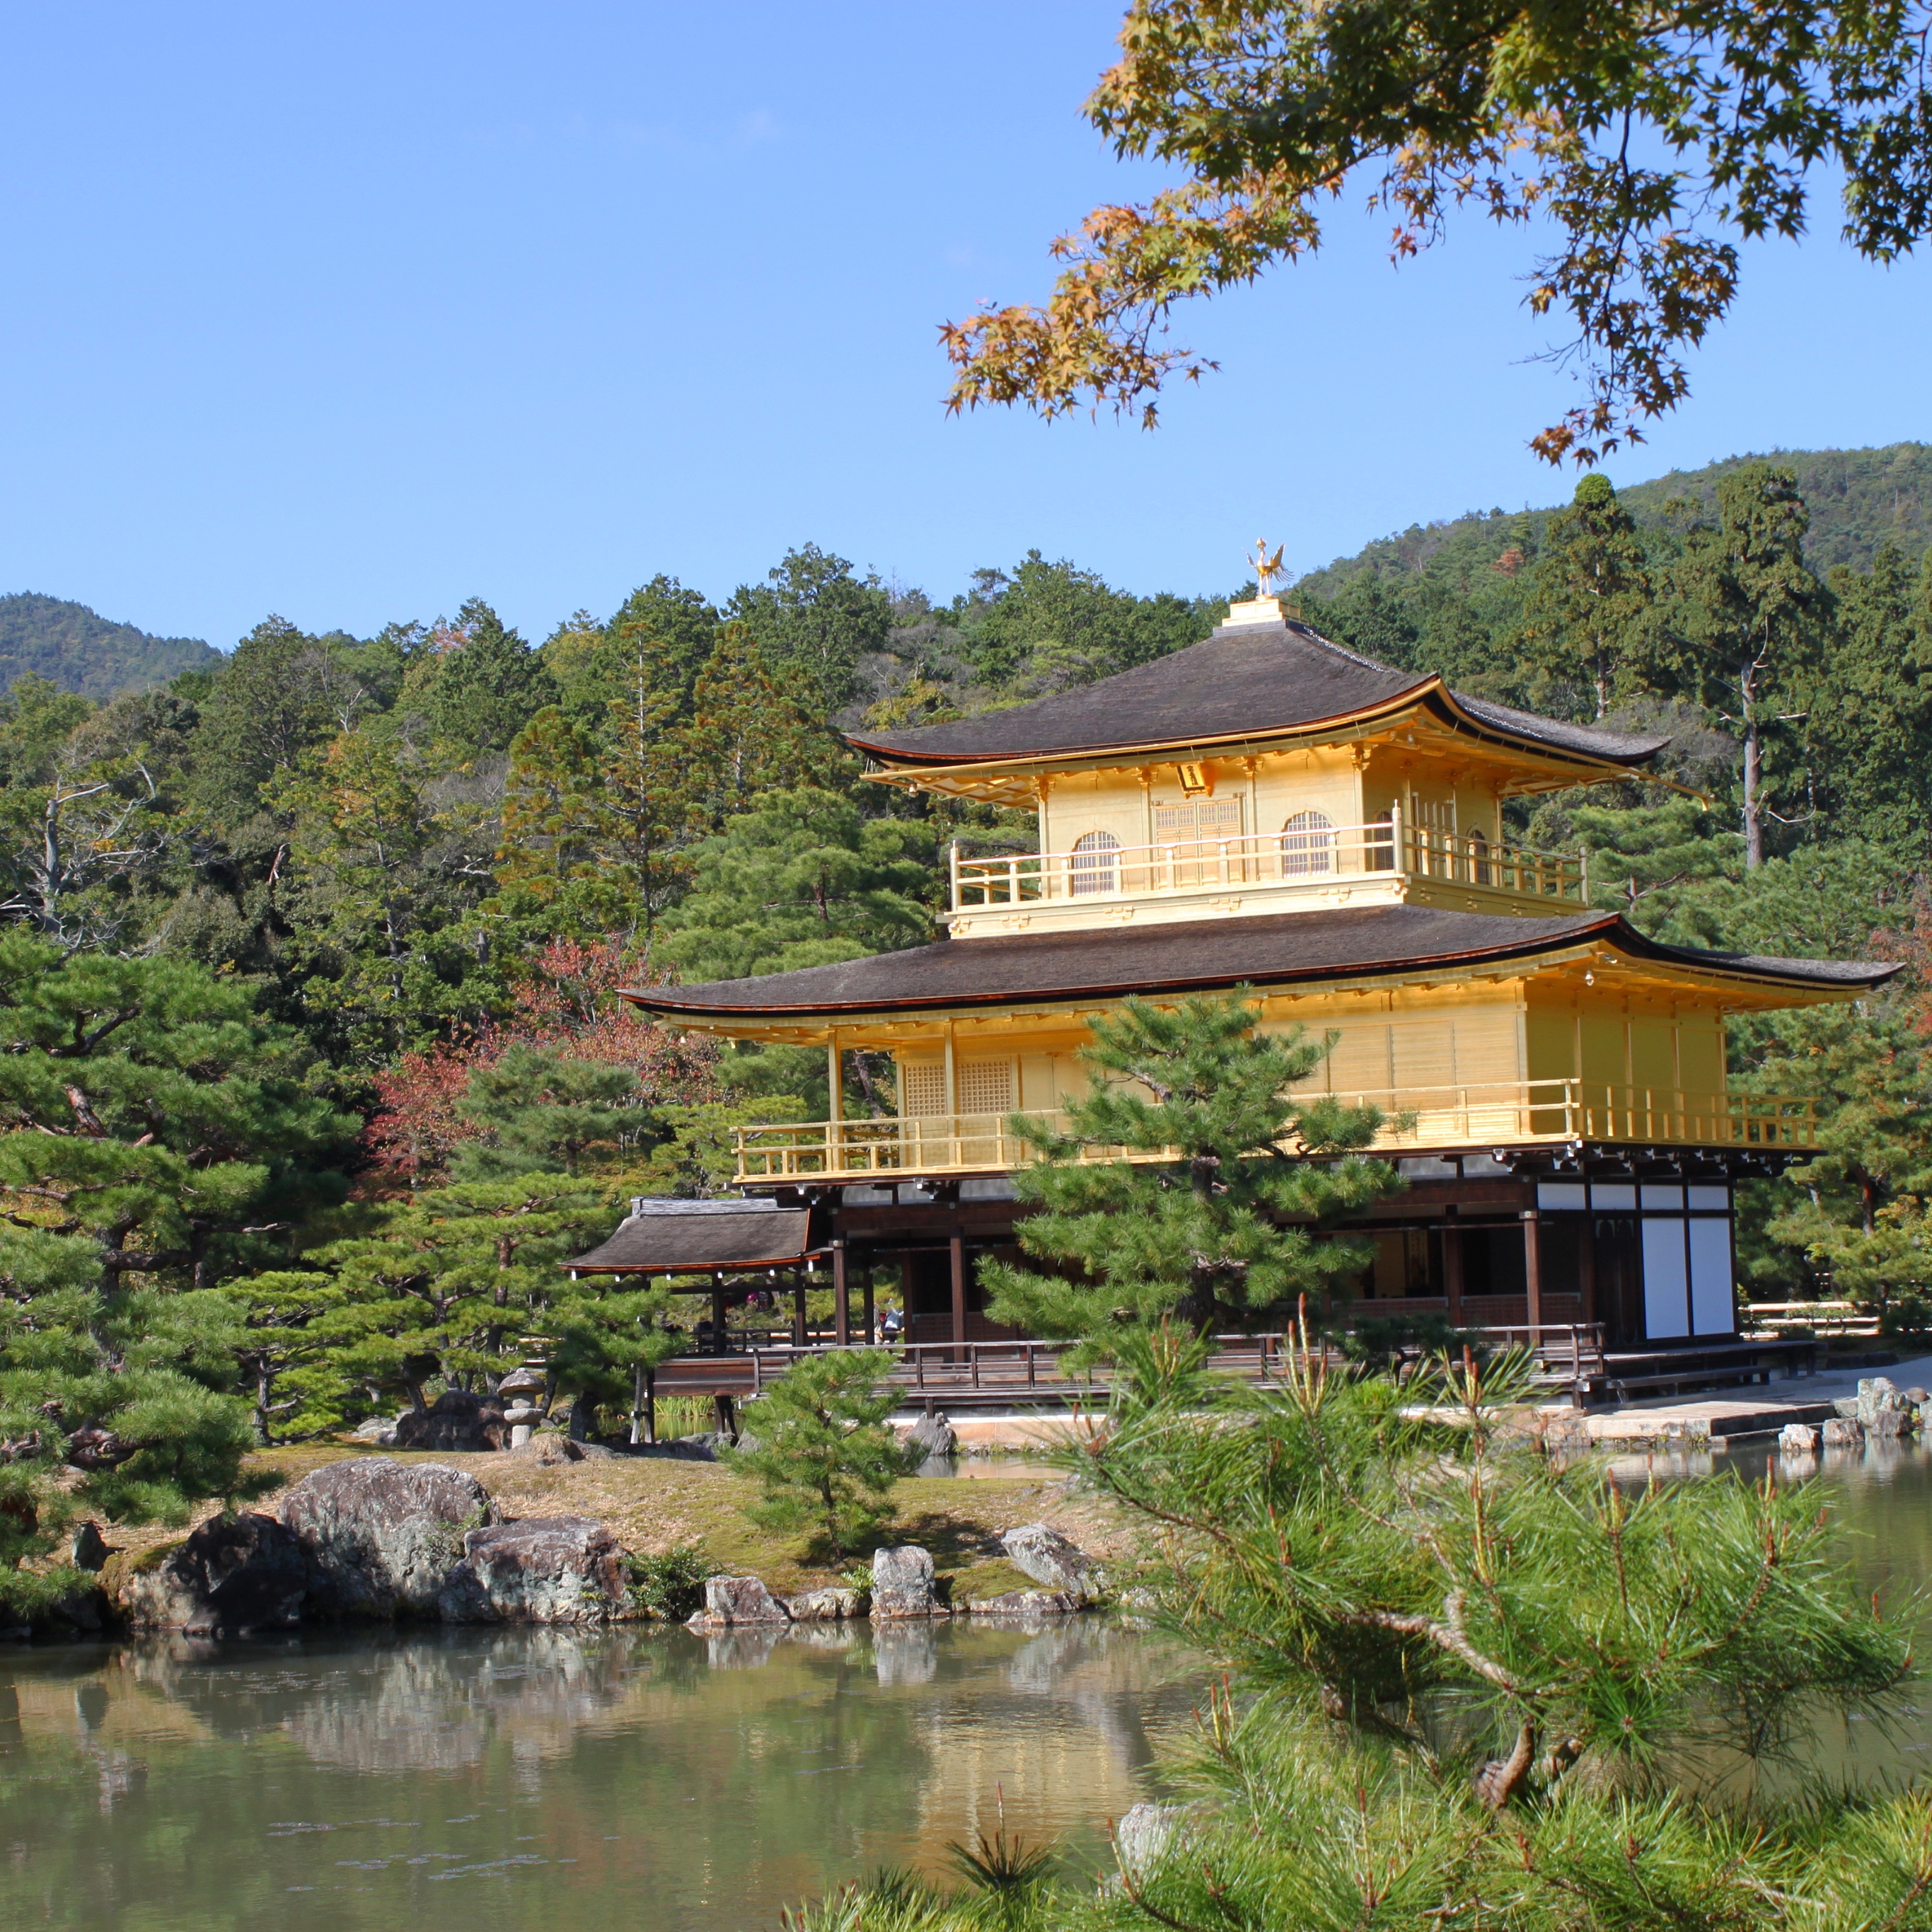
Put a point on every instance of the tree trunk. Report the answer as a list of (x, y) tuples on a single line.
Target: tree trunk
[(1754, 788)]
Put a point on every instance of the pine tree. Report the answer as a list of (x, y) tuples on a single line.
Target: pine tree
[(1195, 1228), (445, 1287), (1589, 592), (826, 1457), (159, 1139)]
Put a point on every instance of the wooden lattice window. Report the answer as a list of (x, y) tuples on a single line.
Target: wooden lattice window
[(985, 1086), (922, 1088)]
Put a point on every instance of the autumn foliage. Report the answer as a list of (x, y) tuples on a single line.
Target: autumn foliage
[(569, 1005)]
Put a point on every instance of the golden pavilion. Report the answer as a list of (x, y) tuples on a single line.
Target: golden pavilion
[(1267, 808)]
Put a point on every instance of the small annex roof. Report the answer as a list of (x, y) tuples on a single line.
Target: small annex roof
[(1248, 680), (664, 1237), (1202, 955)]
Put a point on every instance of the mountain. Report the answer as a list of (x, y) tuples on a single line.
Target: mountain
[(1858, 498), (79, 650)]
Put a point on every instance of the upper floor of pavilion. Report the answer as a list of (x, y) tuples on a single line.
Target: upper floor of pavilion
[(1265, 770)]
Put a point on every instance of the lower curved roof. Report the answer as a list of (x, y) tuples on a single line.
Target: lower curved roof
[(1206, 955)]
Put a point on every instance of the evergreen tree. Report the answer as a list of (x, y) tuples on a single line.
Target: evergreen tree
[(445, 1286), (555, 823), (1468, 1683), (801, 880), (269, 704), (1744, 623), (158, 1137), (1869, 732), (487, 684), (1195, 1228), (1589, 592), (814, 622), (746, 736), (390, 862), (536, 1110), (826, 1457)]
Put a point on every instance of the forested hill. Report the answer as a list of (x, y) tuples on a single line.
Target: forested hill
[(1857, 498), (81, 651)]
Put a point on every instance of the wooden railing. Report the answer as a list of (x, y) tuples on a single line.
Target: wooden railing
[(1570, 1355), (1822, 1317), (1308, 859), (1437, 1119)]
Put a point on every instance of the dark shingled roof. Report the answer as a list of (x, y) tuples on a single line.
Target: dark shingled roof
[(1247, 680), (1337, 942), (678, 1236)]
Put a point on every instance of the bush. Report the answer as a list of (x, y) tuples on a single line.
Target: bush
[(670, 1587)]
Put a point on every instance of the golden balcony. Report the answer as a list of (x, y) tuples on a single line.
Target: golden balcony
[(1312, 862), (1438, 1120)]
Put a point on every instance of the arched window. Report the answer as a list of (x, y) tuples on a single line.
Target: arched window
[(1093, 862), (1306, 844), (1479, 856)]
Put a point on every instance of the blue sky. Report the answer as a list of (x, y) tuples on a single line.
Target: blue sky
[(349, 312)]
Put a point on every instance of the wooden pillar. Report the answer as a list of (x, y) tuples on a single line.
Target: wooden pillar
[(951, 1100), (842, 1298), (958, 1247), (1532, 1269), (1586, 1266), (871, 1326), (718, 1314), (1452, 1273), (798, 1307), (641, 1419)]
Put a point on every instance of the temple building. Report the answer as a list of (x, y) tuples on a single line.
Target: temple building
[(1267, 809)]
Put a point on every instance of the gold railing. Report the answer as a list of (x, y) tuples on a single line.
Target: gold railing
[(1512, 1113), (1311, 860)]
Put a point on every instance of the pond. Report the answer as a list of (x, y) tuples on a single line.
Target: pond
[(647, 1779)]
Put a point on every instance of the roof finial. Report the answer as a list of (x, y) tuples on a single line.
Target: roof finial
[(1265, 566)]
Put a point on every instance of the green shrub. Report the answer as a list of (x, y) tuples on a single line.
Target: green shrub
[(670, 1587)]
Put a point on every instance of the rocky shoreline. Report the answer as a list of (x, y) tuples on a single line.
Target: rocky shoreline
[(371, 1538)]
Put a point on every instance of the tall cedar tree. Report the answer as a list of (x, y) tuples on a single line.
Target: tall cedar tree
[(747, 736), (813, 621), (1745, 621), (1226, 1153), (1589, 592)]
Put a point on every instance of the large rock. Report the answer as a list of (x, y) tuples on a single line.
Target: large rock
[(1027, 1603), (932, 1436), (828, 1605), (545, 1570), (233, 1575), (902, 1584), (457, 1421), (380, 1536), (1144, 1836), (1799, 1439), (1841, 1432), (1046, 1556), (729, 1600), (549, 1450)]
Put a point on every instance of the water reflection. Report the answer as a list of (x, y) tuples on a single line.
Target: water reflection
[(652, 1778)]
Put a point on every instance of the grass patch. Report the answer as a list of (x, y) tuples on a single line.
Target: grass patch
[(653, 1505)]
